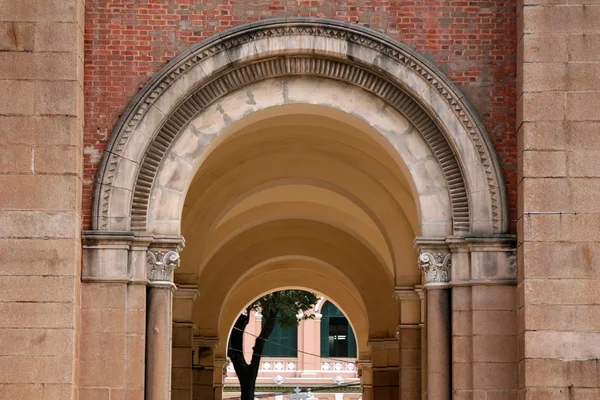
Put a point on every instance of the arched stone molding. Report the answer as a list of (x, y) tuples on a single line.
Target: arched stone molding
[(389, 70)]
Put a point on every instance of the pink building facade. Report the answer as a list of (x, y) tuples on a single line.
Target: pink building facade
[(319, 357)]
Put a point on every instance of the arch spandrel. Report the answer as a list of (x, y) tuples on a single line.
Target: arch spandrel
[(364, 58)]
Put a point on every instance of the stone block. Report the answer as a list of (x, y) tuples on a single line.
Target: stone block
[(58, 391), (181, 378), (559, 227), (38, 66), (495, 375), (28, 369), (495, 349), (91, 320), (532, 195), (54, 130), (583, 164), (574, 19), (549, 372), (584, 135), (17, 97), (57, 160), (462, 349), (462, 323), (57, 98), (102, 373), (582, 106), (494, 297), (39, 10), (462, 376), (543, 164), (501, 395), (134, 394), (494, 322), (37, 288), (136, 297), (16, 36), (39, 192), (16, 159), (94, 393), (181, 357), (134, 374), (37, 315), (542, 393), (21, 391), (182, 335), (541, 107), (545, 47), (583, 76), (136, 321), (103, 295), (562, 291), (39, 224), (560, 260), (584, 47), (114, 320), (135, 348), (36, 342), (557, 317), (544, 77), (562, 345), (59, 37), (542, 135), (461, 298)]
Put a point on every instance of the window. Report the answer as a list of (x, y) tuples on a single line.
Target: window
[(282, 343), (337, 337)]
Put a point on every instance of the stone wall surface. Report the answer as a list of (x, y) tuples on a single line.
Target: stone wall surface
[(41, 136), (127, 42), (559, 144)]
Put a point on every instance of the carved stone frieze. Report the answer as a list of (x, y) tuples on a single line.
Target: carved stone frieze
[(161, 265), (435, 266)]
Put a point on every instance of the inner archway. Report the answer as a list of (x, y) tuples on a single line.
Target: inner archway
[(319, 354)]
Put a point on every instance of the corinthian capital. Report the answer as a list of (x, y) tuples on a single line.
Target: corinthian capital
[(436, 267), (161, 264)]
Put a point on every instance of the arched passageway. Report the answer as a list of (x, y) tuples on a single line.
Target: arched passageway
[(303, 153)]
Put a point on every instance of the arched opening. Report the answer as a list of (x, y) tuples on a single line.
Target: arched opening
[(337, 336), (292, 358), (294, 153)]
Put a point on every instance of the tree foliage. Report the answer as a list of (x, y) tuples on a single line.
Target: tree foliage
[(286, 307)]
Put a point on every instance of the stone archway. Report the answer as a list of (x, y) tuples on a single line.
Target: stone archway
[(419, 144)]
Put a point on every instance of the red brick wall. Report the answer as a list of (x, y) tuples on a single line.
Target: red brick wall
[(127, 41)]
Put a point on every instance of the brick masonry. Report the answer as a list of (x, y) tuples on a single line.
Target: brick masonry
[(474, 43)]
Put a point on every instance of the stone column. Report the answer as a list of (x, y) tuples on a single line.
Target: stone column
[(365, 373), (183, 333), (435, 263), (204, 371), (408, 334), (161, 264)]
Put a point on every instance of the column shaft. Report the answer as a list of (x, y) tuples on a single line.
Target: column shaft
[(158, 342), (438, 343)]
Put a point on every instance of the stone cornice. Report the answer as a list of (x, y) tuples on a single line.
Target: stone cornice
[(383, 343), (405, 294), (190, 292), (206, 341)]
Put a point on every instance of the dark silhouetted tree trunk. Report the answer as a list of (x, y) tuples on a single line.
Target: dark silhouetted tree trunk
[(247, 373)]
